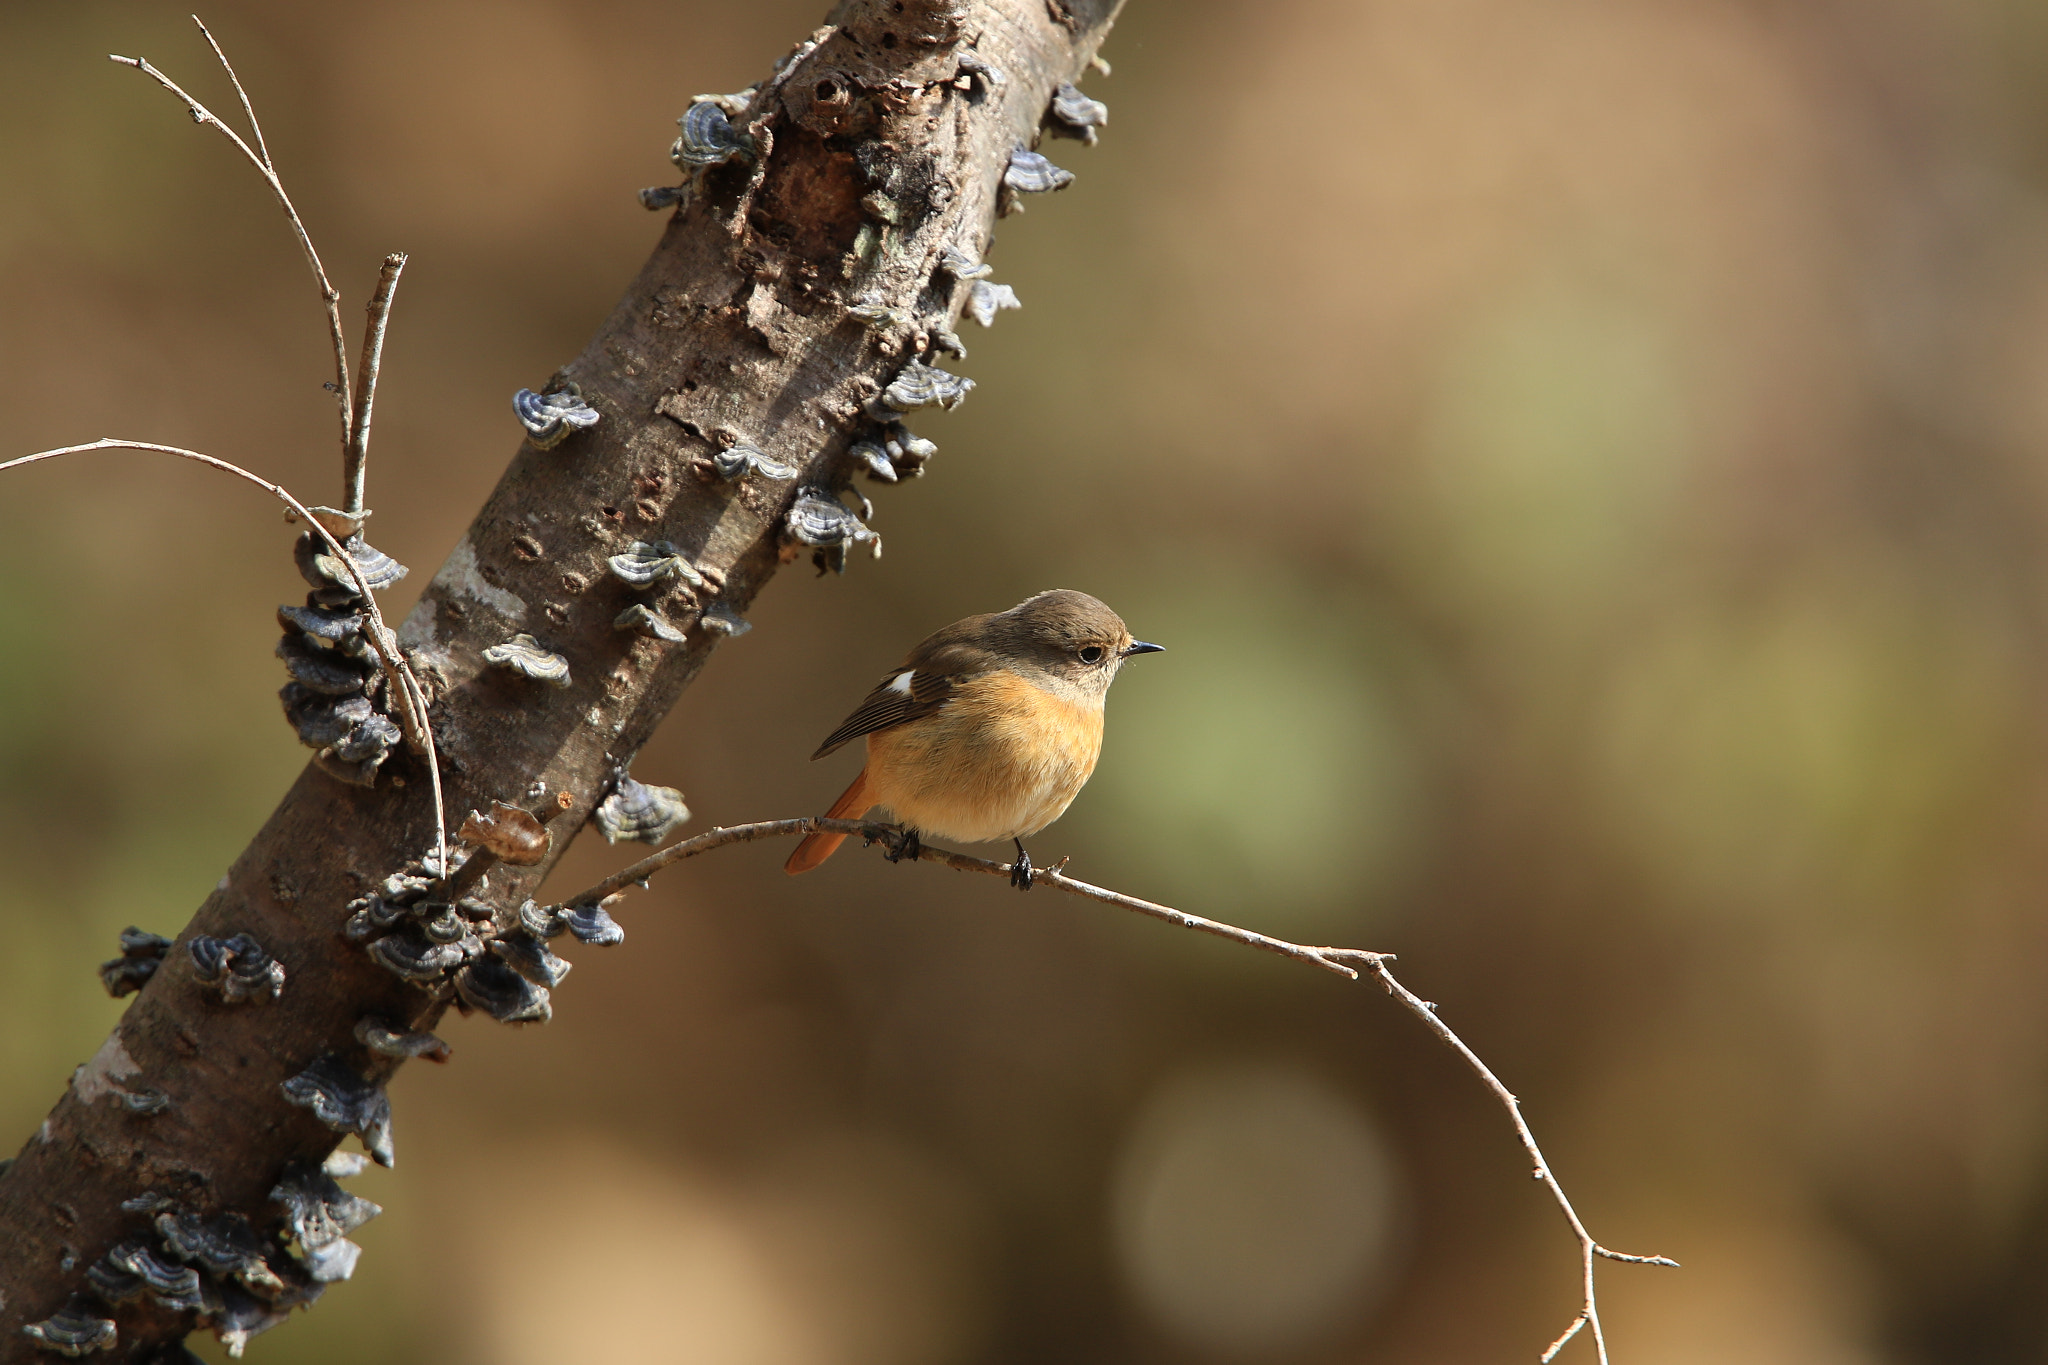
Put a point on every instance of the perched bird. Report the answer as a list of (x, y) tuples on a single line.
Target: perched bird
[(988, 730)]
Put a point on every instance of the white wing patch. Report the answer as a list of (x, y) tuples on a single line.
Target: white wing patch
[(901, 682)]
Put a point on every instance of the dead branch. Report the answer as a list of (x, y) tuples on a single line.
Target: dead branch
[(1337, 960), (789, 322)]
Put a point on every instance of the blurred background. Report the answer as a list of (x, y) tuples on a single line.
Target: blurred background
[(1589, 463)]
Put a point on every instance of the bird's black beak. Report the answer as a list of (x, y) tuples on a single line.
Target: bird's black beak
[(1140, 647)]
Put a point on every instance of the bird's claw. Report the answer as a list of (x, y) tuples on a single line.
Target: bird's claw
[(1020, 871), (905, 845)]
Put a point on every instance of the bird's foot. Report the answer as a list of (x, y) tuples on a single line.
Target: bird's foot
[(1020, 871), (905, 845)]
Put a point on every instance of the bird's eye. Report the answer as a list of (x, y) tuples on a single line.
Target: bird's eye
[(1092, 654)]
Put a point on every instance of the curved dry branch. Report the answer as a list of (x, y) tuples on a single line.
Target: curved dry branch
[(391, 660), (1330, 959), (259, 157)]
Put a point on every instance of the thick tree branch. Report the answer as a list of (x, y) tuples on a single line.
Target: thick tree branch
[(777, 326)]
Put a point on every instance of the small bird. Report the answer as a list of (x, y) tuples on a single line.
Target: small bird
[(988, 730)]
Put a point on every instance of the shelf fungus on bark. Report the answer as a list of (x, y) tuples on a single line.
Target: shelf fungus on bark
[(973, 67), (226, 1248), (324, 571), (148, 1103), (531, 958), (243, 1315), (388, 1040), (511, 833), (744, 458), (657, 197), (653, 564), (332, 624), (141, 954), (642, 619), (491, 986), (919, 385), (320, 1215), (640, 812), (708, 137), (323, 670), (410, 955), (133, 1268), (985, 300), (940, 337), (593, 924), (830, 529), (74, 1330), (874, 461), (345, 1102), (963, 265), (721, 619), (237, 967), (879, 316), (525, 655), (1075, 115), (1030, 172), (551, 418)]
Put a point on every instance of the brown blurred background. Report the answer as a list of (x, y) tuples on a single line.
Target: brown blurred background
[(1587, 462)]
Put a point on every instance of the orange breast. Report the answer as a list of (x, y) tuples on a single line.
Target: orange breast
[(1000, 760)]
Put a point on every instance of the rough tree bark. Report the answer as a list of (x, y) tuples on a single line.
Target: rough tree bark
[(883, 141)]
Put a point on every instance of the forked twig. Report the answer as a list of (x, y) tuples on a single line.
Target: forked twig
[(259, 157), (356, 458), (391, 661), (1336, 960)]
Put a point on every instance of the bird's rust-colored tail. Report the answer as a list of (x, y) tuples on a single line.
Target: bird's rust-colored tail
[(816, 848)]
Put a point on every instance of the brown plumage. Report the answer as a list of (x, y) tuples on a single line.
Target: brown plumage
[(990, 727)]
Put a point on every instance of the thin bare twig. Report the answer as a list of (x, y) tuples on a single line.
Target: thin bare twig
[(398, 674), (1330, 959), (356, 457), (329, 295)]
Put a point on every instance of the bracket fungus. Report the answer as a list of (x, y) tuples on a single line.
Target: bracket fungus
[(410, 955), (524, 655), (985, 300), (73, 1330), (550, 418), (323, 571), (642, 619), (532, 959), (320, 1215), (819, 520), (708, 137), (141, 954), (491, 986), (743, 458), (652, 563), (345, 1102), (132, 1268), (238, 967), (640, 812), (593, 924), (721, 619), (389, 1041), (919, 385), (1077, 116), (657, 197), (963, 265), (1031, 173)]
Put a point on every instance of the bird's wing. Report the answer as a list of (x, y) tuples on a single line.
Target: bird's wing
[(925, 682)]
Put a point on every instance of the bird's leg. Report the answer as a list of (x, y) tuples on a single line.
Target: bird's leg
[(907, 845), (1020, 871)]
